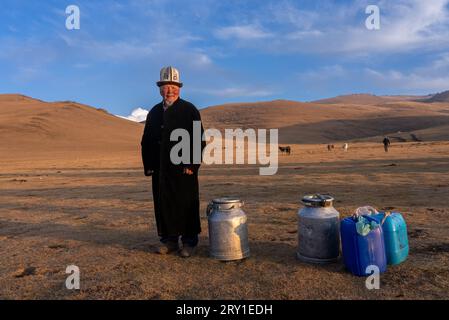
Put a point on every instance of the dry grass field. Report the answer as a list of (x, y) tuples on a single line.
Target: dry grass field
[(82, 199)]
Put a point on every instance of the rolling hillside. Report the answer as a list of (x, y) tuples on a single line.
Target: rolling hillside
[(31, 126)]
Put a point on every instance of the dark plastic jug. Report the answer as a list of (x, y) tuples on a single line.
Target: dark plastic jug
[(360, 252), (395, 237)]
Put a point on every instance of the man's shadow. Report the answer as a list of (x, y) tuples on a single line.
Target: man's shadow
[(131, 240)]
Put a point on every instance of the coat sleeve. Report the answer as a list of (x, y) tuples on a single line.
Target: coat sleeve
[(146, 146), (195, 116)]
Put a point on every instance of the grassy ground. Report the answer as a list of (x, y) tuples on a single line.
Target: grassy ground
[(97, 213)]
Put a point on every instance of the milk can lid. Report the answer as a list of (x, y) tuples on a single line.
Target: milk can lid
[(318, 200), (226, 200)]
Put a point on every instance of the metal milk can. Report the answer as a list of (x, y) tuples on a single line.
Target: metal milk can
[(228, 230), (318, 230)]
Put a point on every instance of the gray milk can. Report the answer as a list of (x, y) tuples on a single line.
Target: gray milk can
[(228, 230), (318, 230)]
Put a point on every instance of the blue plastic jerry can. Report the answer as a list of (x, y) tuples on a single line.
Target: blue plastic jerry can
[(360, 253), (395, 236)]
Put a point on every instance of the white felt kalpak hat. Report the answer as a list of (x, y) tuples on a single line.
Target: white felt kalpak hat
[(169, 75)]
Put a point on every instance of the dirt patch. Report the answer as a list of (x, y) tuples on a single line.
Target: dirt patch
[(97, 213), (23, 272), (434, 248), (418, 233)]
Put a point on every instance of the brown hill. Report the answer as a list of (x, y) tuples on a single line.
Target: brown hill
[(367, 99), (321, 123), (439, 97), (354, 99), (30, 126)]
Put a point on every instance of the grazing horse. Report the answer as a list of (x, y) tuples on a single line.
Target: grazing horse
[(345, 147), (286, 150), (330, 147)]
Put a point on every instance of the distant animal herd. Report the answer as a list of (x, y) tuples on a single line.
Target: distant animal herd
[(345, 146), (287, 149)]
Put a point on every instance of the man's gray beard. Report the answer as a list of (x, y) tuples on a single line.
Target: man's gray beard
[(168, 104)]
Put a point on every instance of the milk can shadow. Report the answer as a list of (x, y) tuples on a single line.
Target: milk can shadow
[(285, 253), (332, 267)]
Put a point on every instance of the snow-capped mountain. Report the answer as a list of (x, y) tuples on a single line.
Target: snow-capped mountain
[(137, 115)]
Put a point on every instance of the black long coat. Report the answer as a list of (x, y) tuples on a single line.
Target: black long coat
[(175, 194)]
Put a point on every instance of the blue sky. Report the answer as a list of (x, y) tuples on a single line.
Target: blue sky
[(226, 51)]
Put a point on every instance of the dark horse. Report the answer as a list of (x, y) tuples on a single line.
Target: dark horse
[(286, 150)]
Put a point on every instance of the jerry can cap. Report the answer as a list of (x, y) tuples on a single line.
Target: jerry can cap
[(317, 200)]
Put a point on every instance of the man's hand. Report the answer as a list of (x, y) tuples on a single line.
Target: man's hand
[(149, 173), (188, 171)]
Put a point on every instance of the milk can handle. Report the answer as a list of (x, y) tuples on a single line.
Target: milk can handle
[(209, 208), (242, 203)]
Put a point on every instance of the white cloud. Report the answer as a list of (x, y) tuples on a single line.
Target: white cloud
[(29, 57), (81, 65), (116, 50), (409, 82), (236, 92), (441, 62), (326, 73), (156, 49), (432, 77), (332, 27), (26, 74), (405, 25), (137, 115), (299, 35), (201, 60), (246, 32)]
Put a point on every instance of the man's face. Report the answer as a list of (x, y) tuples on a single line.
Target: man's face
[(170, 93)]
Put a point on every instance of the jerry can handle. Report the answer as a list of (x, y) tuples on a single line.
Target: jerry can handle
[(387, 213), (366, 210)]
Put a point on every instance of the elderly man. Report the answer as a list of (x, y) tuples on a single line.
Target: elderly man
[(175, 186)]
